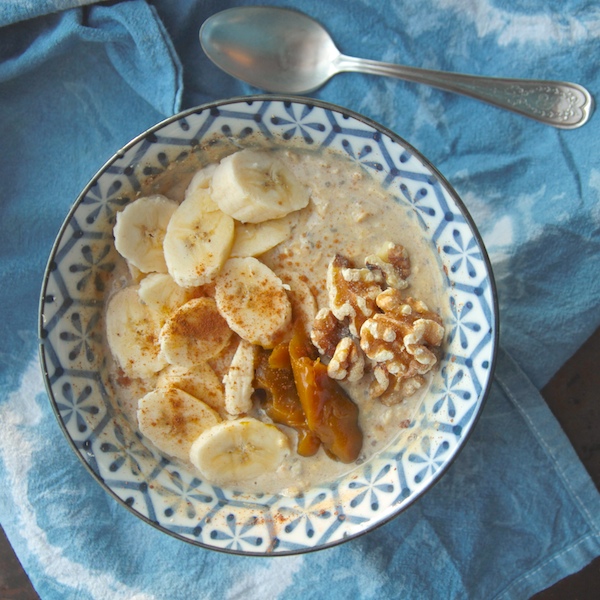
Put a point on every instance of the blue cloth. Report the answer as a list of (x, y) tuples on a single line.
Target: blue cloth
[(13, 11), (516, 512)]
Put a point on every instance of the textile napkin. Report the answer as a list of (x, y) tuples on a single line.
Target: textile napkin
[(516, 511)]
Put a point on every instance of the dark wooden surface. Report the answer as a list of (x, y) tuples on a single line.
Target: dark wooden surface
[(573, 396)]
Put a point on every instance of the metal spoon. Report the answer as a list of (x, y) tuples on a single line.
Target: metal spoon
[(285, 51)]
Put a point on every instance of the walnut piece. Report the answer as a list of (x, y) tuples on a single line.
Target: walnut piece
[(393, 302), (393, 262), (371, 329), (352, 292), (401, 388), (382, 340), (401, 342), (380, 383), (347, 362), (425, 333), (327, 332)]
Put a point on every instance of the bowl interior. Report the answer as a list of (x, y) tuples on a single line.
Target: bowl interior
[(75, 363)]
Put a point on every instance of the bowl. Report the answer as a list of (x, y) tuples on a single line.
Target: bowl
[(75, 360)]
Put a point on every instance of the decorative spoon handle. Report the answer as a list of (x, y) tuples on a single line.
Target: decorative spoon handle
[(558, 103)]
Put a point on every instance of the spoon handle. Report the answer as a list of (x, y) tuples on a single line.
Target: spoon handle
[(558, 103)]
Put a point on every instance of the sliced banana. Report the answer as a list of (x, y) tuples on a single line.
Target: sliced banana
[(198, 240), (194, 333), (201, 180), (140, 230), (220, 363), (254, 186), (238, 380), (254, 239), (304, 304), (240, 450), (172, 420), (199, 381), (253, 301), (162, 294), (132, 332)]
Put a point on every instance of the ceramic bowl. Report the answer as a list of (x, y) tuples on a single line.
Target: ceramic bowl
[(75, 359)]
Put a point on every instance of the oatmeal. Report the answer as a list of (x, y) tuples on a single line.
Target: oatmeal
[(279, 320)]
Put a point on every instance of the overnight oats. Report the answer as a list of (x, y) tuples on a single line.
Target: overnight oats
[(276, 319)]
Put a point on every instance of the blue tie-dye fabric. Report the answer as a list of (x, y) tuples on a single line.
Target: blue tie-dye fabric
[(516, 511)]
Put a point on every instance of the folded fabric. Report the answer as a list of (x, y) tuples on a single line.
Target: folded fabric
[(133, 38), (14, 11), (516, 511)]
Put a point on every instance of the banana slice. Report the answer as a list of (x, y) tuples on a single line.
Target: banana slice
[(194, 333), (304, 304), (162, 294), (201, 180), (172, 420), (140, 230), (238, 381), (198, 240), (254, 186), (239, 450), (220, 363), (199, 381), (253, 301), (254, 239), (132, 332)]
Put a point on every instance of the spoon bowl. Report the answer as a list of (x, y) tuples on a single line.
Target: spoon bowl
[(274, 49), (285, 51)]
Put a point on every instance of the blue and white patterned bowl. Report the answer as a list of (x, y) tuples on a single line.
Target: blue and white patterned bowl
[(74, 359)]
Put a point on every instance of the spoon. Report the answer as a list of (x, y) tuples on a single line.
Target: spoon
[(285, 51)]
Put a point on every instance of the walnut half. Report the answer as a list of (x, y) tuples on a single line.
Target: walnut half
[(401, 342)]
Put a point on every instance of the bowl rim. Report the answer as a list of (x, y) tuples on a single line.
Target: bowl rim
[(294, 99)]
